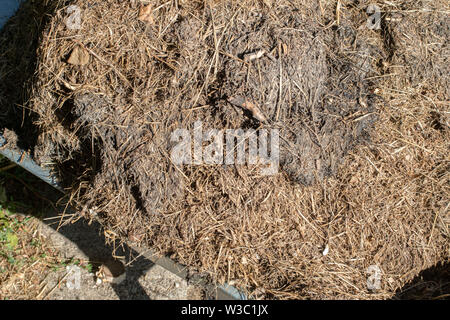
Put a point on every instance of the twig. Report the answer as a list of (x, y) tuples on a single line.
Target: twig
[(248, 105)]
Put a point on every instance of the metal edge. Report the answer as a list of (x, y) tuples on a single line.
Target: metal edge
[(24, 160)]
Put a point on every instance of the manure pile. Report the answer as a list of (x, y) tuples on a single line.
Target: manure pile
[(362, 185)]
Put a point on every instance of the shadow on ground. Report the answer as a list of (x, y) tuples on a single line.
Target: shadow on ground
[(19, 40)]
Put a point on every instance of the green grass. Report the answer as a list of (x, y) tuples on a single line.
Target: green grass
[(26, 257)]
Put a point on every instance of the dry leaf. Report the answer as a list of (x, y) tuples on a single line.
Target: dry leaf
[(146, 13), (241, 102), (79, 56)]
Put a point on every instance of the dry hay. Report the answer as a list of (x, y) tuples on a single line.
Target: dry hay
[(363, 120)]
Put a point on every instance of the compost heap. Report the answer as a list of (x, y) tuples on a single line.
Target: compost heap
[(361, 194)]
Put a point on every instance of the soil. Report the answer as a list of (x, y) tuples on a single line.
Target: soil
[(363, 131)]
